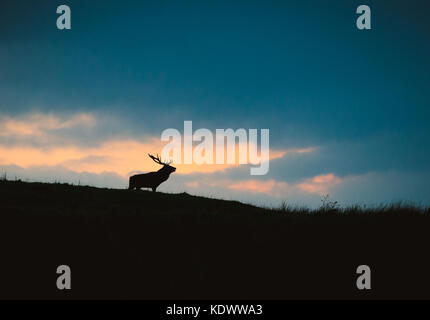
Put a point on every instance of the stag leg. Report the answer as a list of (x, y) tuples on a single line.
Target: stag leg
[(154, 189)]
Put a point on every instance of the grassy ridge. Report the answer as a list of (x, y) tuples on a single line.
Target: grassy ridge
[(139, 244)]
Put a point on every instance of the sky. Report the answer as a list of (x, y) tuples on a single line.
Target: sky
[(348, 110)]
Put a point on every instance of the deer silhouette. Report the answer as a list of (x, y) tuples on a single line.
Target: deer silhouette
[(152, 179)]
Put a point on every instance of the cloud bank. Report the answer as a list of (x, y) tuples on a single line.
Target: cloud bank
[(72, 148)]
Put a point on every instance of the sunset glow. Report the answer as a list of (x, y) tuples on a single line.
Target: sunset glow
[(118, 156)]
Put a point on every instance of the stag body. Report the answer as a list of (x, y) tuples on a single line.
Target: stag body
[(152, 179)]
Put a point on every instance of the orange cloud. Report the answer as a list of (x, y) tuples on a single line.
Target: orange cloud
[(118, 156), (208, 168), (320, 184), (270, 187), (38, 124), (192, 184)]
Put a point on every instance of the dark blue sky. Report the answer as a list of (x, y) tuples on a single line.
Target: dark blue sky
[(301, 69)]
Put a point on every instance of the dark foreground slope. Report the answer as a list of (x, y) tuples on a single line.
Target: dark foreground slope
[(138, 244)]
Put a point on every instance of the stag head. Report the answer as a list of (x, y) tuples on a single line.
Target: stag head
[(166, 165)]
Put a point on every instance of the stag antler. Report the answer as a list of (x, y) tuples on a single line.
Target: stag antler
[(158, 160)]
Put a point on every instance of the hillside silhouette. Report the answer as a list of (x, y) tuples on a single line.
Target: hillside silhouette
[(145, 245)]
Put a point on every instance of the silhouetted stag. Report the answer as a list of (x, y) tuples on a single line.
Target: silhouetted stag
[(152, 179)]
